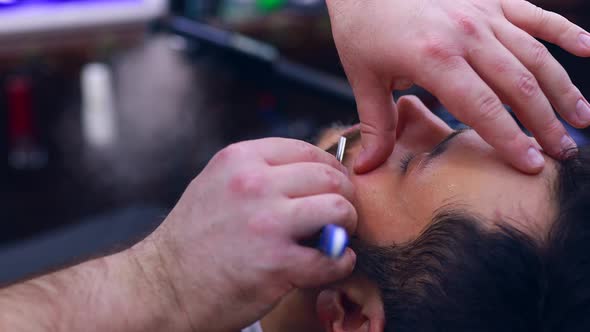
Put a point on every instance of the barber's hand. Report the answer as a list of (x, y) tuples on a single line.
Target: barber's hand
[(231, 246), (473, 55)]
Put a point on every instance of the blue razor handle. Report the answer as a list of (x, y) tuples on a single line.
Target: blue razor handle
[(333, 241)]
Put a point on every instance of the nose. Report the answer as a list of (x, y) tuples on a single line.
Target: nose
[(418, 128)]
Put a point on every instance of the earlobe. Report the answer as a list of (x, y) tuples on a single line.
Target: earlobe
[(351, 309)]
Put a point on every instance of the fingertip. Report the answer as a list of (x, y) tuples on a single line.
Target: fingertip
[(372, 157), (352, 257), (378, 116), (584, 42), (364, 161), (581, 118), (534, 161), (568, 147), (524, 155), (347, 262), (343, 266), (329, 270), (409, 99)]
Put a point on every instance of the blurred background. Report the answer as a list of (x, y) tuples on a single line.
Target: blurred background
[(108, 108)]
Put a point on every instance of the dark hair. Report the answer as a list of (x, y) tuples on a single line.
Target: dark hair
[(458, 276)]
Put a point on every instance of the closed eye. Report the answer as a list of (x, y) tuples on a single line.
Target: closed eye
[(405, 162), (441, 147), (437, 151)]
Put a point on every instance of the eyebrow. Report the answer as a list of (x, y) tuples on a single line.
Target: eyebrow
[(351, 137), (441, 147)]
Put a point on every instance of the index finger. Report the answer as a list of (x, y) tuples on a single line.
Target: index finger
[(378, 117), (283, 151), (474, 103)]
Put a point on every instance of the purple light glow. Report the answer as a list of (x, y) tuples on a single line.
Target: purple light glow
[(21, 4)]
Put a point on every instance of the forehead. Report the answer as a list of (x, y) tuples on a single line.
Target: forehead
[(475, 177)]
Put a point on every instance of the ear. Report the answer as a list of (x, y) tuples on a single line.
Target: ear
[(354, 306)]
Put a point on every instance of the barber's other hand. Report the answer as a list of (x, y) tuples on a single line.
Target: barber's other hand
[(472, 55), (230, 246)]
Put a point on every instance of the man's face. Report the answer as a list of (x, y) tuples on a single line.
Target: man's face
[(433, 167)]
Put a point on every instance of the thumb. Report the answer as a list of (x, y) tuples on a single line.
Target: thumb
[(310, 268), (378, 115)]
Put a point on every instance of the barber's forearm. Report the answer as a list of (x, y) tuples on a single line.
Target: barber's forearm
[(122, 292)]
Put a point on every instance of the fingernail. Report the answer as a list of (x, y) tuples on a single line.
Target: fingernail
[(583, 111), (568, 146), (352, 255), (585, 40), (536, 160)]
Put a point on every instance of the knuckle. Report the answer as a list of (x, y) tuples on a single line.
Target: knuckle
[(468, 25), (332, 180), (331, 271), (552, 127), (459, 89), (540, 55), (454, 62), (502, 67), (402, 84), (541, 17), (301, 209), (527, 85), (229, 153), (517, 139), (564, 28), (341, 208), (438, 49), (512, 140), (250, 184), (569, 89), (305, 149), (372, 129), (368, 129), (262, 223), (490, 110)]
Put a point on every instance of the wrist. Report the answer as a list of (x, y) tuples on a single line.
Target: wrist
[(157, 288)]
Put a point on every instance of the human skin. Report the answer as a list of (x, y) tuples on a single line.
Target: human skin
[(474, 56), (395, 207), (230, 249)]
